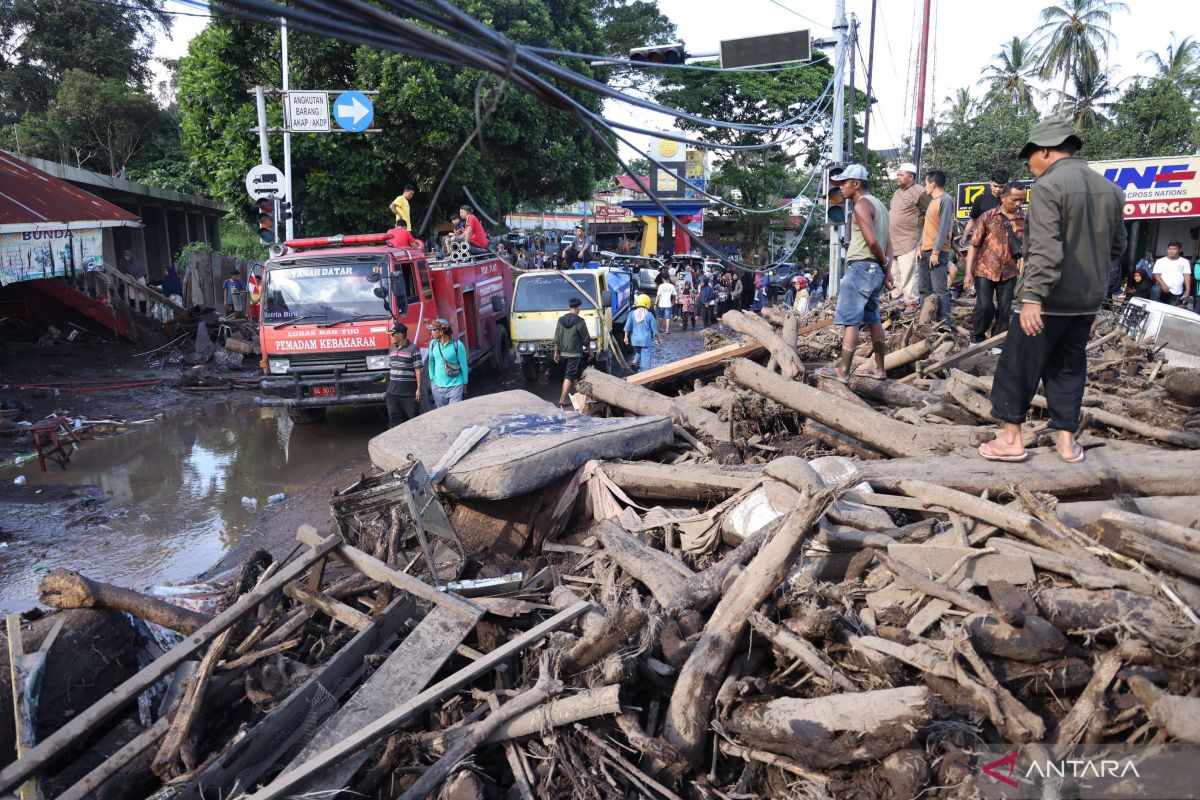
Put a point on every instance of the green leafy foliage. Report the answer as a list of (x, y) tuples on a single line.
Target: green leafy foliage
[(41, 40), (424, 111)]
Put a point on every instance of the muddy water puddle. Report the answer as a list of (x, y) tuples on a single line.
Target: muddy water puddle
[(164, 502)]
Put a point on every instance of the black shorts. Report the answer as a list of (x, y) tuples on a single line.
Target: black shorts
[(573, 367)]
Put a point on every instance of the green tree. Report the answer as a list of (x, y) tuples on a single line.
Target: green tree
[(94, 123), (758, 177), (1152, 118), (1180, 64), (631, 23), (41, 40), (960, 107), (1075, 34), (1010, 79), (424, 111), (970, 151), (1083, 105)]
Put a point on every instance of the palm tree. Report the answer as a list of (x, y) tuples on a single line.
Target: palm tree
[(1085, 102), (1010, 80), (1075, 33), (960, 107), (1181, 66)]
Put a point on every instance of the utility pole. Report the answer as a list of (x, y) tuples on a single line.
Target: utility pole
[(287, 136), (870, 82), (850, 53), (921, 66), (839, 123)]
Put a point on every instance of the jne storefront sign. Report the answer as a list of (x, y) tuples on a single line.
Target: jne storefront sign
[(1156, 188)]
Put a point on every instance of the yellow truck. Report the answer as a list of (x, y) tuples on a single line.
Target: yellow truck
[(540, 297)]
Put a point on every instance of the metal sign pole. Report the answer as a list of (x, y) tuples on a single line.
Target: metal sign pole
[(260, 100), (287, 136)]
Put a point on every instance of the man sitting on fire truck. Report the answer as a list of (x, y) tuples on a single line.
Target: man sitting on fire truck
[(473, 233)]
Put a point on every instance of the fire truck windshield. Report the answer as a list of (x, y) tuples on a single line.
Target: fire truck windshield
[(321, 292), (551, 292)]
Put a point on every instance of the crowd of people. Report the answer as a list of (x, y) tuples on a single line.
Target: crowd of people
[(1039, 277)]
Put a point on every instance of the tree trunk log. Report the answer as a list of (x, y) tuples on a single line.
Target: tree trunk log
[(1167, 532), (696, 689), (584, 705), (62, 588), (1115, 612), (1006, 518), (663, 575), (1107, 469), (1177, 715), (649, 403), (790, 365), (1118, 536), (698, 483), (710, 397), (874, 429), (895, 359), (1183, 511), (1177, 438), (703, 589), (901, 395), (832, 731), (846, 445)]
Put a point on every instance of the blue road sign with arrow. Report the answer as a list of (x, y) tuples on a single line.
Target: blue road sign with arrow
[(353, 111)]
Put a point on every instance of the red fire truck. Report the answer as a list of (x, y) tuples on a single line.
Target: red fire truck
[(327, 303)]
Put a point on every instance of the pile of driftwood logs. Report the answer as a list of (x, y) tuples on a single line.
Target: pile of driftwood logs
[(819, 591)]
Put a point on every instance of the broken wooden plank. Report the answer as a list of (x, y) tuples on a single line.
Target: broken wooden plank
[(272, 738), (394, 719), (104, 708), (90, 783), (963, 355), (697, 363), (647, 479), (374, 568), (405, 673), (334, 609)]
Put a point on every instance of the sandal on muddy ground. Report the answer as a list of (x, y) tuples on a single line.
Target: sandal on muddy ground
[(987, 452), (831, 372)]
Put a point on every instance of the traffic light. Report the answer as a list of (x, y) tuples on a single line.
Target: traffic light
[(268, 214), (673, 53), (285, 212), (835, 204)]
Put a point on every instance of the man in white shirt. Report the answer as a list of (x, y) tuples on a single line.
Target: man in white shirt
[(1173, 275), (665, 303)]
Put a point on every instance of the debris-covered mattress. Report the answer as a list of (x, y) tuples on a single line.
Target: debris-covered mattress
[(531, 444)]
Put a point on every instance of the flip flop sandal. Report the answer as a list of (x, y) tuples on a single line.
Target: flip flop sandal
[(830, 372), (1081, 454), (985, 450)]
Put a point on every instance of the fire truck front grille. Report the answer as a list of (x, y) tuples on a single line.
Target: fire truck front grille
[(351, 363)]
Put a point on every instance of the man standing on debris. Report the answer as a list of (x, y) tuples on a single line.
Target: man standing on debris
[(447, 364), (1074, 228), (993, 262), (933, 269), (868, 271), (403, 396), (571, 340), (905, 214)]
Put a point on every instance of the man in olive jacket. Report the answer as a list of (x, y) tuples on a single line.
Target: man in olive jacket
[(1074, 229)]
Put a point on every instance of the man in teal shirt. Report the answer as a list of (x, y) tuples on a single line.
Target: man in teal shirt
[(447, 364)]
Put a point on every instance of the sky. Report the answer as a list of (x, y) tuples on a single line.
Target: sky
[(964, 37)]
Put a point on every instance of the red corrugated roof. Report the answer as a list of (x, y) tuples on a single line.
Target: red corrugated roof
[(626, 182), (31, 197)]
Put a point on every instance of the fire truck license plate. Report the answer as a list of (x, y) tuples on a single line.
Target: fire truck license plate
[(324, 391)]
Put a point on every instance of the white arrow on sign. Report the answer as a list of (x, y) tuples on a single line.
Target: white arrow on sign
[(354, 110)]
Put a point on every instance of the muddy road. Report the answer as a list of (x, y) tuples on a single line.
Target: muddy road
[(188, 491)]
